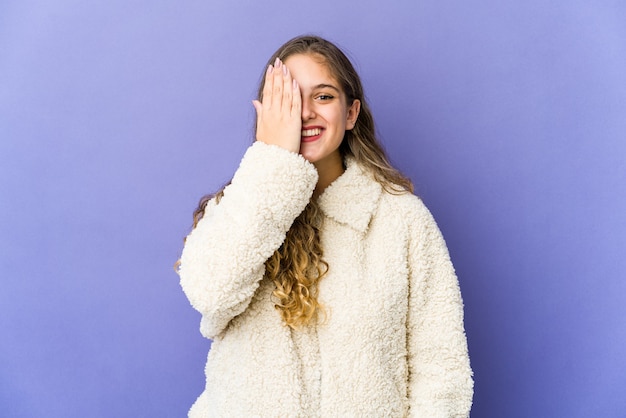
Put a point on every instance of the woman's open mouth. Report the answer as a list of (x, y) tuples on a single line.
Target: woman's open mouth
[(310, 134)]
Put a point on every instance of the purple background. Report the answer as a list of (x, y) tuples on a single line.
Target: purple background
[(116, 116)]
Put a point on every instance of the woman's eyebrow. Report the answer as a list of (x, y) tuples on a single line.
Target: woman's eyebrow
[(326, 86)]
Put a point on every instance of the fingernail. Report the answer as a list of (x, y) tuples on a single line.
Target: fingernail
[(270, 69), (277, 63), (295, 84), (285, 69)]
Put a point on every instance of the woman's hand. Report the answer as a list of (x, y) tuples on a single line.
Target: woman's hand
[(279, 115)]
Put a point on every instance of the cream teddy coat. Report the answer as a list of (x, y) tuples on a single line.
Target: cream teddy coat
[(393, 343)]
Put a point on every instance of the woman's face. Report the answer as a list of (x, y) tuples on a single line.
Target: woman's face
[(325, 114)]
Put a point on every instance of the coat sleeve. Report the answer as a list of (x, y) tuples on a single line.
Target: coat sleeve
[(440, 377), (222, 262)]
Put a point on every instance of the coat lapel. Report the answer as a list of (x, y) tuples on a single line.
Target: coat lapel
[(352, 199)]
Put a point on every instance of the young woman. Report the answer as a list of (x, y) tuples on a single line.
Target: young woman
[(323, 282)]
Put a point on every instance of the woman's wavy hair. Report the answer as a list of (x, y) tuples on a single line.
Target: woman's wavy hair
[(298, 265)]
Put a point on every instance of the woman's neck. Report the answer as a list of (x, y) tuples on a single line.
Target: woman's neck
[(329, 169)]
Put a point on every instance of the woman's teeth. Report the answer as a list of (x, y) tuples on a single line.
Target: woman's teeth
[(311, 132)]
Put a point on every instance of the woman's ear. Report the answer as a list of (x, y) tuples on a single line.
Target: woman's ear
[(353, 114)]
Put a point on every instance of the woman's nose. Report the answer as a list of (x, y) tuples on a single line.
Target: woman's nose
[(307, 110)]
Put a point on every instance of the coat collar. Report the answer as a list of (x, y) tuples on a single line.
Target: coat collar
[(352, 198)]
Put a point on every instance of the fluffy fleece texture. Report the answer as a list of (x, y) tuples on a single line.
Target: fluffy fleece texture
[(393, 343)]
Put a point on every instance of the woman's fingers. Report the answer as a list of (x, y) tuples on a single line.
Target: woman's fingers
[(278, 88), (278, 91), (268, 86), (278, 113), (291, 103), (287, 91), (258, 107), (296, 103)]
